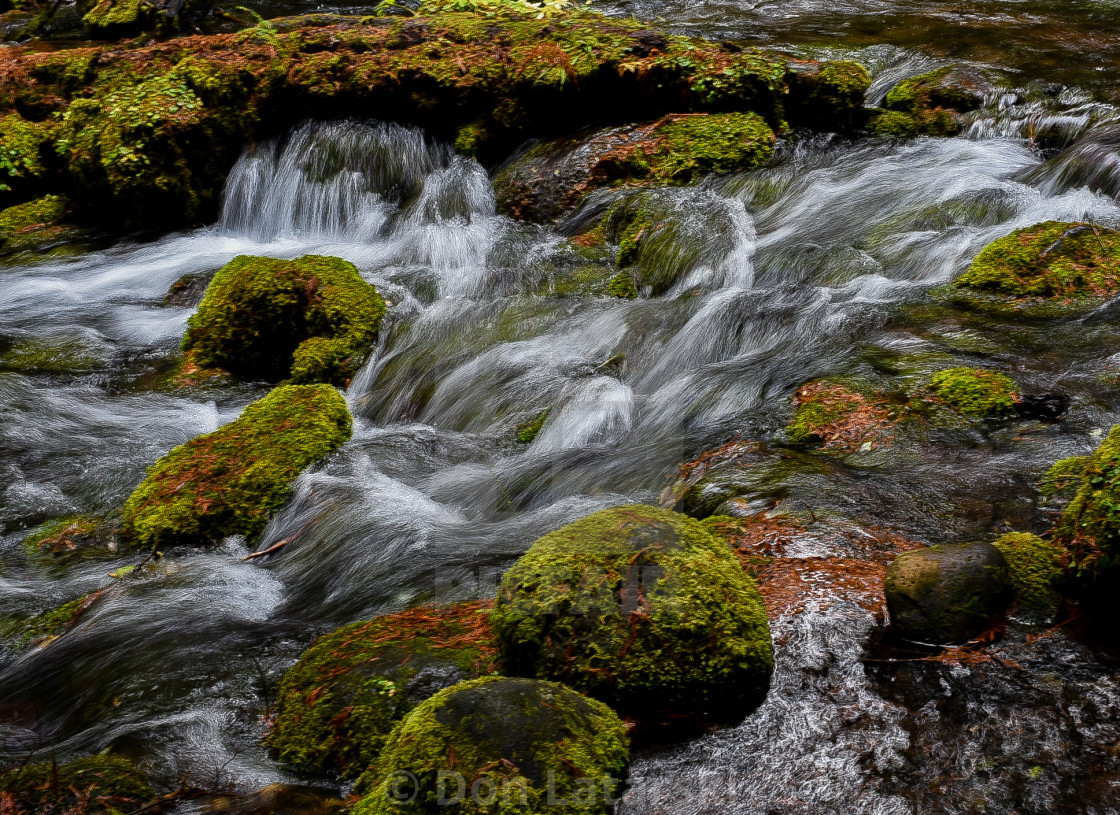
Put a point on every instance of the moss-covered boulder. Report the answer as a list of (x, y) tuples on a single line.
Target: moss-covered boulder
[(974, 391), (37, 225), (640, 607), (109, 19), (337, 705), (1062, 480), (1052, 267), (929, 104), (231, 481), (840, 417), (1090, 525), (311, 319), (552, 178), (947, 593), (94, 784), (501, 745), (1036, 568), (829, 96)]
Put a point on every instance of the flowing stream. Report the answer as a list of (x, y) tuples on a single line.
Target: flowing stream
[(818, 264)]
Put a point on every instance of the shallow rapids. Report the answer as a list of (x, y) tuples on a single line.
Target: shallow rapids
[(812, 266)]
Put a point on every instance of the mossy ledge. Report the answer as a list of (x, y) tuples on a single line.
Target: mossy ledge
[(1050, 268), (337, 705), (524, 745), (640, 607), (1090, 525), (94, 784), (143, 136), (231, 481), (311, 319)]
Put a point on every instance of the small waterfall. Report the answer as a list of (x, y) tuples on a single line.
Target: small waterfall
[(407, 200)]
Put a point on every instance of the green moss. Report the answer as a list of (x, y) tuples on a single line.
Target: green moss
[(690, 147), (337, 704), (53, 355), (312, 319), (114, 18), (893, 123), (525, 433), (1036, 569), (974, 392), (62, 536), (50, 625), (468, 138), (636, 606), (94, 784), (622, 286), (1063, 477), (1052, 260), (526, 746), (231, 481), (23, 148), (1090, 525)]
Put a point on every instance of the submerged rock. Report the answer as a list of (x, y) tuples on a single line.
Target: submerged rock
[(73, 536), (947, 593), (1052, 267), (501, 745), (311, 319), (231, 481), (337, 705), (552, 178), (94, 784), (640, 607), (42, 629)]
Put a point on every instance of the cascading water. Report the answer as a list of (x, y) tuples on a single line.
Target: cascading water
[(801, 269)]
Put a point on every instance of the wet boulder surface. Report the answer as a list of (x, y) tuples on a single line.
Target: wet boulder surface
[(947, 593)]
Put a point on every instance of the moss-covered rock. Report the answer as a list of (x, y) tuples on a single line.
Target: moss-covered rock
[(1036, 569), (840, 417), (550, 179), (1049, 264), (929, 104), (639, 607), (94, 784), (312, 319), (231, 481), (829, 96), (947, 593), (37, 225), (70, 536), (25, 152), (337, 705), (48, 626), (622, 286), (514, 746), (143, 135), (974, 392), (525, 433), (1061, 481), (1090, 525)]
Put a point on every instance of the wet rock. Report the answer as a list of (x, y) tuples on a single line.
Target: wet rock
[(1044, 406), (312, 319), (37, 225), (95, 784), (187, 291), (640, 607), (929, 104), (337, 705), (829, 96), (42, 629), (1048, 269), (533, 746), (276, 799), (229, 482), (552, 178), (947, 593)]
